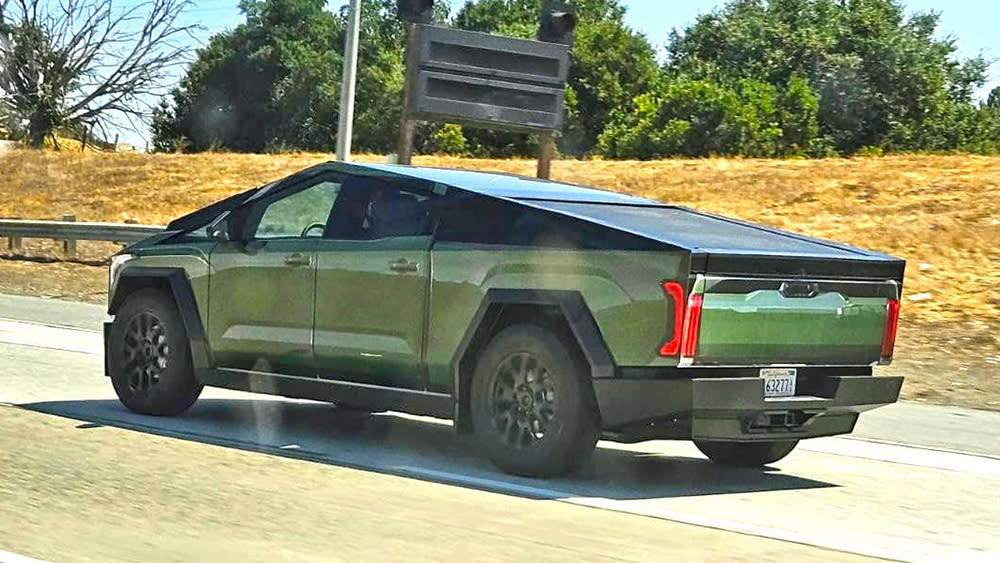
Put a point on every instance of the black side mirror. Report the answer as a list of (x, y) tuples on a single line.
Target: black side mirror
[(236, 224)]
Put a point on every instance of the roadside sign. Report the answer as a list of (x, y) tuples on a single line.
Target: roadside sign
[(488, 80)]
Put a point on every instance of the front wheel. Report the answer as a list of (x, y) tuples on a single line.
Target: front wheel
[(149, 359), (532, 406), (746, 454)]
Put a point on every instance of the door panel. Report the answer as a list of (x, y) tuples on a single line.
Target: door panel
[(370, 308), (262, 291), (261, 305)]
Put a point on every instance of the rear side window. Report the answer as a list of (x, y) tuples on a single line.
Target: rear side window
[(475, 219)]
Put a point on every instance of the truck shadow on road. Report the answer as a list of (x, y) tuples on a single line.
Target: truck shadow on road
[(422, 448)]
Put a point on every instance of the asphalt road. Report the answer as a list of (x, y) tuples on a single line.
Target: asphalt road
[(269, 478)]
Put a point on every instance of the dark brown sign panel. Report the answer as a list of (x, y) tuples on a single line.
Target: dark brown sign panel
[(498, 82)]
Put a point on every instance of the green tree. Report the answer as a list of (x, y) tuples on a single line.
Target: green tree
[(271, 82), (993, 101), (881, 79), (699, 118), (449, 139), (798, 115), (274, 81), (65, 66)]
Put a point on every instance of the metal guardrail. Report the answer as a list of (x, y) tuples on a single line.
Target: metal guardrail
[(69, 231)]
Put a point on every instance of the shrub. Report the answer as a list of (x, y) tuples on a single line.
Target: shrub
[(449, 139)]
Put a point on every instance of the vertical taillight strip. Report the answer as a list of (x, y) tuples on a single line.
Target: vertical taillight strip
[(675, 292), (686, 322), (692, 325), (889, 332)]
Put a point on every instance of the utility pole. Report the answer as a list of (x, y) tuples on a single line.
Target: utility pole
[(346, 125)]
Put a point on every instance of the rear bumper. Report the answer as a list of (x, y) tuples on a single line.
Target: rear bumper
[(734, 408)]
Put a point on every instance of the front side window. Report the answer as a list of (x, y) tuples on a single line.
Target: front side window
[(301, 214)]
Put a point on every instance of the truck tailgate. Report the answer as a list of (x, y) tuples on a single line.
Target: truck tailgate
[(774, 321)]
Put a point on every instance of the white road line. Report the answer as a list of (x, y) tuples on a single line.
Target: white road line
[(8, 557), (915, 554), (51, 325), (906, 454), (51, 337), (922, 447)]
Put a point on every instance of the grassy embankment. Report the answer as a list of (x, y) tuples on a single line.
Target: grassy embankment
[(941, 213)]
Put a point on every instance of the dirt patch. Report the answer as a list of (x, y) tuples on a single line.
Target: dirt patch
[(948, 363), (57, 280)]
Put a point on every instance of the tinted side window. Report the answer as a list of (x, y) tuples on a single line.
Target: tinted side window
[(291, 215), (394, 212), (477, 219)]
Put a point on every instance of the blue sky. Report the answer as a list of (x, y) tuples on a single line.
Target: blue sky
[(972, 22)]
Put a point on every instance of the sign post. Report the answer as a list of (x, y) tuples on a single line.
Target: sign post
[(404, 153), (547, 150)]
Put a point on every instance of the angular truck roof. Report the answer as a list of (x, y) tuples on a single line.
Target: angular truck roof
[(671, 224), (716, 243)]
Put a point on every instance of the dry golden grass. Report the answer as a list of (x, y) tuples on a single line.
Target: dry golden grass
[(940, 213)]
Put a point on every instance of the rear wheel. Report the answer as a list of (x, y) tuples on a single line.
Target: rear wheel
[(746, 454), (532, 406), (149, 359)]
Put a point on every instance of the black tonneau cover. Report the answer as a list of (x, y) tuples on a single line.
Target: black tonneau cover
[(720, 245)]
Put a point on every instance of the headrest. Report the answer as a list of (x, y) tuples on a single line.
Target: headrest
[(398, 214)]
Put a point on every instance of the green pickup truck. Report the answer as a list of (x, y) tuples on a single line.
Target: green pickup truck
[(539, 316)]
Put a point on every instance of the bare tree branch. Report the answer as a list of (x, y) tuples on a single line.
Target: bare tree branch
[(74, 63)]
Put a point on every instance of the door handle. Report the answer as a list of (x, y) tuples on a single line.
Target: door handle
[(403, 265), (298, 259)]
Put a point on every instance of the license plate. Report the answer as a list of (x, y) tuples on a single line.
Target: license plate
[(778, 382)]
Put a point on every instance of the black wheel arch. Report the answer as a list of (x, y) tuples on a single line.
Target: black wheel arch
[(174, 282), (563, 311)]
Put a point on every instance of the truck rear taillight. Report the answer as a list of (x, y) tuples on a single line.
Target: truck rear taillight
[(692, 325), (675, 292), (685, 322), (889, 333)]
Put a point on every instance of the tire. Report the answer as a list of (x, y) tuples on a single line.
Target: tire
[(149, 358), (533, 408), (746, 454)]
